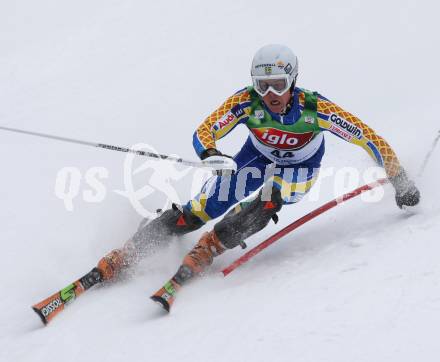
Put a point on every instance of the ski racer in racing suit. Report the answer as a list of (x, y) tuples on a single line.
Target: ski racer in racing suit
[(281, 158)]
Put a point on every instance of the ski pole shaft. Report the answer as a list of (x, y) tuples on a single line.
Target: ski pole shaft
[(297, 223), (428, 155), (111, 147)]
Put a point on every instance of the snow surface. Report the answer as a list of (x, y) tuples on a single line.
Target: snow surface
[(360, 283)]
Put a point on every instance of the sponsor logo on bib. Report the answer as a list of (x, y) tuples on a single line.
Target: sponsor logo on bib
[(282, 140), (309, 119), (259, 114)]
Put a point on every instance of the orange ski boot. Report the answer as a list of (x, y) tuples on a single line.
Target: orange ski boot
[(197, 260), (112, 263)]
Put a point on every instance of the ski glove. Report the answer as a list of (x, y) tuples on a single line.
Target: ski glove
[(407, 193), (221, 164)]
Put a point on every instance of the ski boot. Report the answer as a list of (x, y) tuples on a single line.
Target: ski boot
[(194, 263)]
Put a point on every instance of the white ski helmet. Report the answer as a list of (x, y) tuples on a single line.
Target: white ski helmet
[(274, 62)]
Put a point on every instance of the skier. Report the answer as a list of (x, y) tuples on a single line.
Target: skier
[(282, 156), (286, 127)]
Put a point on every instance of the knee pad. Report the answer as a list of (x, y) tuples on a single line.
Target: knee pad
[(173, 222), (179, 220), (236, 227)]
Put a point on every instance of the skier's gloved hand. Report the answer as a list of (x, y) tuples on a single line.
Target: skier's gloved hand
[(222, 165), (410, 198), (407, 193)]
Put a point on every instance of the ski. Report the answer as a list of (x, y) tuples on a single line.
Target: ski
[(165, 296), (50, 307)]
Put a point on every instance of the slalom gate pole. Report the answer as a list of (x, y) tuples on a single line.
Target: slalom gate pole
[(301, 221), (114, 148), (428, 155)]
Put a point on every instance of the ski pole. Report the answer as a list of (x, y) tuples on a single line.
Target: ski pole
[(428, 155), (301, 221), (116, 148)]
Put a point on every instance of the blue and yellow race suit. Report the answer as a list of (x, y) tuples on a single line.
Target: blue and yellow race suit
[(293, 143)]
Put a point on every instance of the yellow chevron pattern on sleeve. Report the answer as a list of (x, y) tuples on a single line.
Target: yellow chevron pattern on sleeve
[(390, 160), (205, 133)]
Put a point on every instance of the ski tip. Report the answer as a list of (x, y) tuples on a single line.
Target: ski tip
[(40, 314), (162, 302)]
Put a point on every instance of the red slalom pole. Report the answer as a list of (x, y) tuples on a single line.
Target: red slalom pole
[(301, 221)]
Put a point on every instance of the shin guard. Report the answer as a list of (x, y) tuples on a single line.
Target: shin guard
[(236, 227)]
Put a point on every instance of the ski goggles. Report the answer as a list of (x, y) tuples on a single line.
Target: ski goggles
[(278, 84)]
